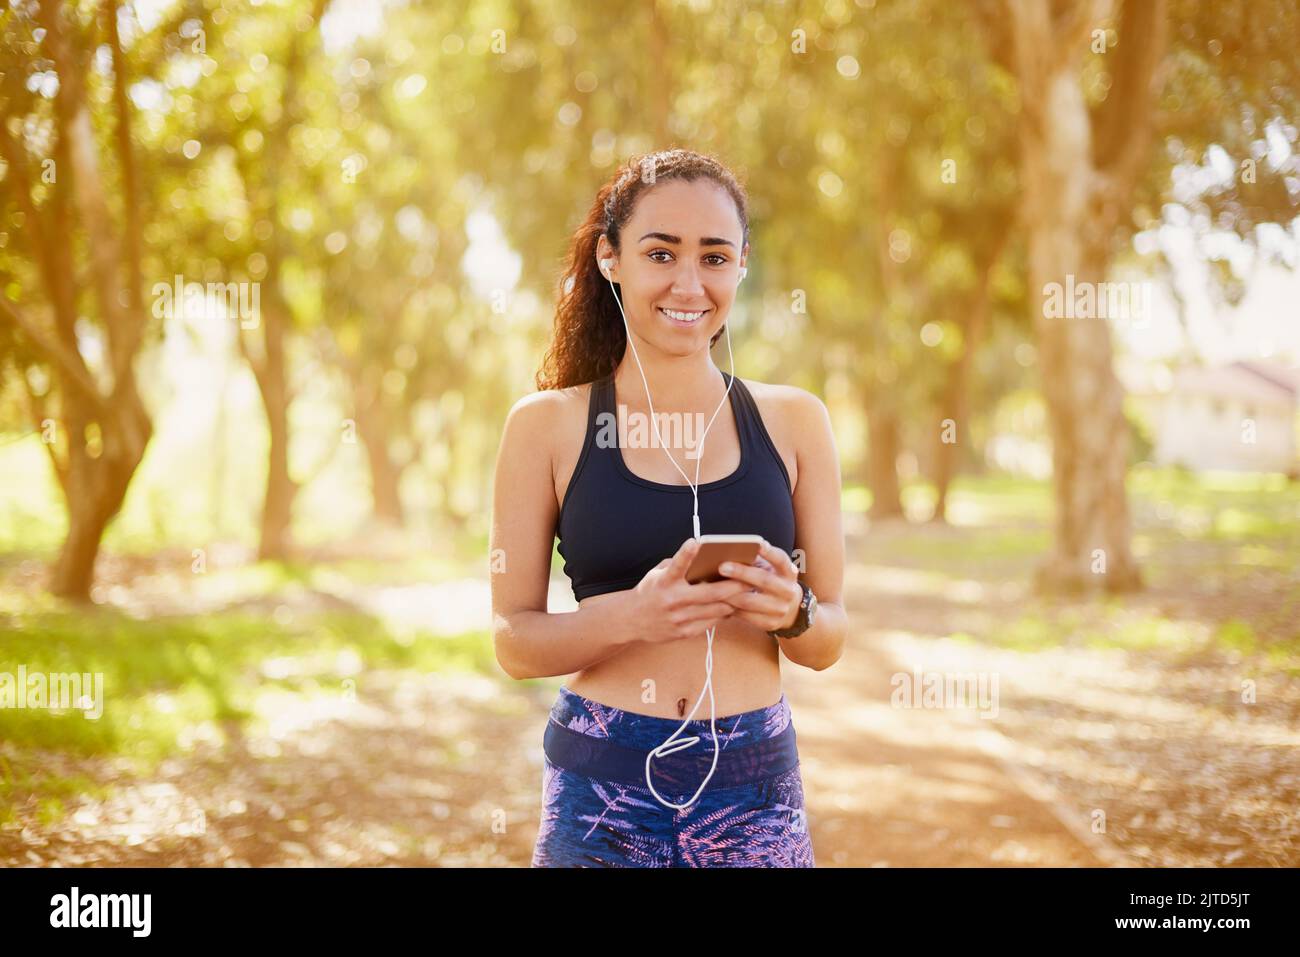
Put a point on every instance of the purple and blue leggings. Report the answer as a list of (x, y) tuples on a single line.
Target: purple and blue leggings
[(598, 812)]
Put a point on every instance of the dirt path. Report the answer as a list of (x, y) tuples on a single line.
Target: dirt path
[(446, 770), (1095, 758), (431, 770), (897, 787)]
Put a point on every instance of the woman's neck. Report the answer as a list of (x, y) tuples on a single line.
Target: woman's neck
[(676, 382)]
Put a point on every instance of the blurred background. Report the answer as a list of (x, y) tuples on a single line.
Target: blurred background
[(272, 273)]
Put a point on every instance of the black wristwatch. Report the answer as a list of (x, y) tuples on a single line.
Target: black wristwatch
[(803, 619)]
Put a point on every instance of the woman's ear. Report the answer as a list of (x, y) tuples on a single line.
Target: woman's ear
[(604, 257)]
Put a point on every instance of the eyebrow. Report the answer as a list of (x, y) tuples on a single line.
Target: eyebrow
[(704, 241)]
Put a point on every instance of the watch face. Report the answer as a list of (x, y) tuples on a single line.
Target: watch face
[(812, 607)]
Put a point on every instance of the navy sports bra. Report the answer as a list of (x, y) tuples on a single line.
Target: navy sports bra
[(615, 526)]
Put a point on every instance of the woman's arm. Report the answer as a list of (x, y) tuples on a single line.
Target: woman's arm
[(531, 642), (819, 551), (539, 644), (819, 536)]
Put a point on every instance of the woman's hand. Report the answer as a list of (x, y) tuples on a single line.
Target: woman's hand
[(667, 607), (774, 594)]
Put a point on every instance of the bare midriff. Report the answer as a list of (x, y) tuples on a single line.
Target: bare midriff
[(664, 679)]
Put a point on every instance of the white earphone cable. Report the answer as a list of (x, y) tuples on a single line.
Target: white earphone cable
[(673, 744)]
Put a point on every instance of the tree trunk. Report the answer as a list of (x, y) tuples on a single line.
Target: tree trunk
[(276, 537), (94, 490), (1072, 202), (1090, 443), (954, 403), (882, 461), (98, 491), (385, 481), (270, 368), (385, 474), (97, 470), (883, 429)]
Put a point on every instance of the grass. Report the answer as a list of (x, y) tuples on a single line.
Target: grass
[(270, 577), (972, 500), (167, 680), (1218, 533), (976, 548), (52, 791), (1222, 506), (1107, 625)]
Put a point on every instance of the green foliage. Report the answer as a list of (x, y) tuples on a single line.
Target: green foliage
[(168, 681), (1226, 537), (880, 152)]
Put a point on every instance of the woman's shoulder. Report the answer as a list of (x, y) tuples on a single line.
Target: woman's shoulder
[(550, 402), (787, 400), (547, 413)]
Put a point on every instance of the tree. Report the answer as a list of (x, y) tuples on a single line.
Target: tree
[(396, 287), (100, 432), (262, 181), (1090, 79), (248, 119)]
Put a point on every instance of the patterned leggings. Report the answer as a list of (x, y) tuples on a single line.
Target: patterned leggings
[(596, 814)]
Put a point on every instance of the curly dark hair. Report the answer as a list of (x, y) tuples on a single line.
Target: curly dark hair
[(589, 337)]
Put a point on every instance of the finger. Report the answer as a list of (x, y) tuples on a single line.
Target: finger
[(754, 610), (756, 603), (781, 562), (682, 560), (746, 601), (716, 591), (745, 573), (717, 609)]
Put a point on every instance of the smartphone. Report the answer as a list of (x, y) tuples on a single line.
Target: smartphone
[(716, 549)]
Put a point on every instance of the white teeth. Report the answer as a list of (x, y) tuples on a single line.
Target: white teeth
[(681, 316)]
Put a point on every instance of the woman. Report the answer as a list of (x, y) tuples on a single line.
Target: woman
[(672, 230)]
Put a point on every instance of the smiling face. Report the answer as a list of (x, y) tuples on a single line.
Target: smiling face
[(679, 265)]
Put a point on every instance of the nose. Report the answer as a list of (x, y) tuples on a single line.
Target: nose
[(686, 279)]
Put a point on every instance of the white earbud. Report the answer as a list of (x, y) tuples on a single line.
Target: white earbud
[(743, 271)]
